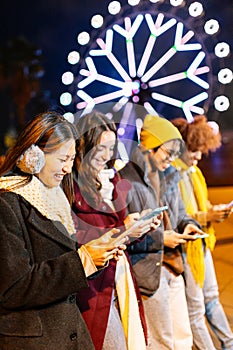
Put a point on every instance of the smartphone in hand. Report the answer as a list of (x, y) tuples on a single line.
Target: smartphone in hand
[(202, 235), (229, 205), (152, 213)]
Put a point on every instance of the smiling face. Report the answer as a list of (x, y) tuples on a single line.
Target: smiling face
[(57, 164), (165, 154), (191, 158), (104, 150)]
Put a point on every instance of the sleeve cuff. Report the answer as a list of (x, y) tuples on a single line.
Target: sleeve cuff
[(88, 263), (200, 216)]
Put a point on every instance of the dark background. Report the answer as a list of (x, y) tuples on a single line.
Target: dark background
[(53, 26)]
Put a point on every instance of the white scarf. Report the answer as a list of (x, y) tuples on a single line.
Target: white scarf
[(50, 202), (107, 187), (128, 305)]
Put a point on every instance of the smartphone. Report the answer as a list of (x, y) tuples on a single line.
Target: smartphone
[(229, 205), (153, 213), (204, 235), (138, 222)]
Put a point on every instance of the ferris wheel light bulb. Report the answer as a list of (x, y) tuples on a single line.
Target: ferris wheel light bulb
[(211, 27), (214, 126), (114, 7), (121, 131), (221, 103), (97, 21), (195, 9), (73, 57), (222, 50), (69, 116), (176, 2), (67, 78), (225, 76), (133, 2), (65, 99), (83, 38)]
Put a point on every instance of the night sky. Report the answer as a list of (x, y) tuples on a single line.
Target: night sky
[(53, 26)]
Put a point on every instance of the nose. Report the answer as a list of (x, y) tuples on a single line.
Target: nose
[(67, 168), (106, 154), (198, 155)]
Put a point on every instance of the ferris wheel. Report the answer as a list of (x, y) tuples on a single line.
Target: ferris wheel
[(160, 56)]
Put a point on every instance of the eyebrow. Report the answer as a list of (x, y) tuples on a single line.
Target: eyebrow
[(66, 155)]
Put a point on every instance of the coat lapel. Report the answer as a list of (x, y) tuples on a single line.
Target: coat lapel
[(55, 230)]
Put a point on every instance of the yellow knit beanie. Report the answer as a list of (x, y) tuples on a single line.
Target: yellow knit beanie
[(156, 131)]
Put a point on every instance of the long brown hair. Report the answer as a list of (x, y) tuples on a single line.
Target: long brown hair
[(90, 128), (48, 131)]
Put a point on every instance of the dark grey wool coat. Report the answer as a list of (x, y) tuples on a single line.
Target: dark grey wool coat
[(40, 272)]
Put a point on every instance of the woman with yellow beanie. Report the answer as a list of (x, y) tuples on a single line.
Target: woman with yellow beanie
[(156, 260), (201, 284)]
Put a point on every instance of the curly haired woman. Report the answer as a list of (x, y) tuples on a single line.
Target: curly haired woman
[(201, 284)]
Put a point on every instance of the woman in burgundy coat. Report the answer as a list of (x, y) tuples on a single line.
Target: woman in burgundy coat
[(112, 304)]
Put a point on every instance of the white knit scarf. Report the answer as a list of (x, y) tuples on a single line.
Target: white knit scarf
[(50, 202)]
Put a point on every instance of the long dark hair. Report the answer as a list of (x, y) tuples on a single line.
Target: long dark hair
[(90, 128), (48, 131)]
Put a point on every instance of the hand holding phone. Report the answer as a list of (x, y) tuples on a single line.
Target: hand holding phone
[(229, 205), (138, 225), (154, 212), (201, 235)]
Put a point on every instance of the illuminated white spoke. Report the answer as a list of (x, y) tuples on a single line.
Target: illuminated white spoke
[(130, 49), (180, 76), (168, 79), (81, 105), (88, 103), (106, 47), (83, 95), (192, 71), (167, 99), (116, 64), (154, 26), (91, 74), (196, 99), (126, 114), (197, 60), (156, 29), (129, 32), (109, 97), (123, 152), (146, 55), (197, 110), (150, 109), (86, 81), (189, 105), (117, 107), (199, 81), (194, 109), (202, 70), (111, 81), (180, 42), (165, 58), (188, 115), (90, 65)]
